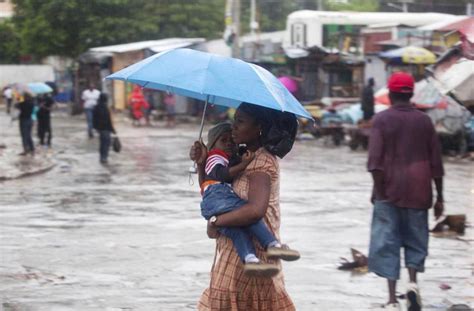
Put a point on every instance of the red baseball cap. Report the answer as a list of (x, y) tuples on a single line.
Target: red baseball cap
[(401, 82)]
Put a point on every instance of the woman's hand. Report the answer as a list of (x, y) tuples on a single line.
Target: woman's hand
[(198, 153), (247, 157), (212, 232)]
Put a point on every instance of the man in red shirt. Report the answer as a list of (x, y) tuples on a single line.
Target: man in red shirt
[(404, 158)]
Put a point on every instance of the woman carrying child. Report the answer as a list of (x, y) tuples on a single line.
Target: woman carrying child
[(258, 184)]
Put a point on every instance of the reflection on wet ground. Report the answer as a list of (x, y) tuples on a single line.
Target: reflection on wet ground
[(129, 236)]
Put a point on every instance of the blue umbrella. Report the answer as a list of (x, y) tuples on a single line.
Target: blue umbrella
[(215, 79), (39, 88), (34, 88)]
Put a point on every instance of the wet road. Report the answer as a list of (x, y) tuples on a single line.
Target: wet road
[(128, 236)]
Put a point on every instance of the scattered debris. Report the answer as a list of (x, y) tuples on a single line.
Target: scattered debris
[(454, 223), (359, 262), (459, 307), (444, 286)]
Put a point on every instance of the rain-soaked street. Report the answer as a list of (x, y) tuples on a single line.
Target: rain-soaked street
[(129, 236)]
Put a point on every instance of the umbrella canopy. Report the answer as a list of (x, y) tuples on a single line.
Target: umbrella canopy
[(216, 79), (409, 55), (34, 88)]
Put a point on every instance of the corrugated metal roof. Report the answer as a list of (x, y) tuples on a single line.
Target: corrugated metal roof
[(159, 45), (442, 23)]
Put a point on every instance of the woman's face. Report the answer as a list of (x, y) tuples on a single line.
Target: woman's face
[(245, 129)]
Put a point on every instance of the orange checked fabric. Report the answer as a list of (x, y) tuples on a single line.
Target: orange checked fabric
[(230, 289)]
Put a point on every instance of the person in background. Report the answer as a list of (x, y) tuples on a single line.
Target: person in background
[(170, 104), (90, 97), (404, 159), (45, 104), (8, 95), (102, 122), (26, 108), (367, 100), (139, 105), (148, 94)]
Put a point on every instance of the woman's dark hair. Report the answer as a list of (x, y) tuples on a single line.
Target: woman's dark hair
[(278, 128)]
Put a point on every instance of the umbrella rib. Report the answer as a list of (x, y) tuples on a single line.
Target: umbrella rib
[(269, 87), (207, 73)]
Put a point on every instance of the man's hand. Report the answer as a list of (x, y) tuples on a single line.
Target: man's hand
[(247, 157), (438, 209), (198, 153)]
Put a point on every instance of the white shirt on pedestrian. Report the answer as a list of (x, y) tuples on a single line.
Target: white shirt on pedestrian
[(8, 93), (90, 98)]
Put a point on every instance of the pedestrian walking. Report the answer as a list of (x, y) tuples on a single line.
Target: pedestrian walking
[(103, 124), (25, 118), (404, 158), (8, 95), (148, 93), (170, 104), (46, 104), (230, 288), (90, 97), (139, 105), (367, 99)]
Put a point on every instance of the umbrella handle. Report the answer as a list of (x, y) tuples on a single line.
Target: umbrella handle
[(193, 168), (202, 119)]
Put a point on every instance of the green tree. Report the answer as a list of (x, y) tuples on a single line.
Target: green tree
[(70, 27), (352, 5), (9, 52), (184, 18)]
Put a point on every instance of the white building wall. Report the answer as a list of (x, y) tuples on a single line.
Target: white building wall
[(375, 68), (25, 74)]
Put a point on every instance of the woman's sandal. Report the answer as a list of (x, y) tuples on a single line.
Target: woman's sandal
[(284, 253)]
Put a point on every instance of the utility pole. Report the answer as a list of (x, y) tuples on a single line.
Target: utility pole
[(404, 7), (320, 5), (253, 18), (236, 26), (469, 9)]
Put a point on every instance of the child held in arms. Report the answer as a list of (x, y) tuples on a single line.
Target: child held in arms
[(223, 164)]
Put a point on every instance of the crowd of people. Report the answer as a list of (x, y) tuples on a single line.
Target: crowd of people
[(35, 110), (32, 110)]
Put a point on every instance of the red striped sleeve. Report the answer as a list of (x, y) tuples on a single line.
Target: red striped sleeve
[(215, 157)]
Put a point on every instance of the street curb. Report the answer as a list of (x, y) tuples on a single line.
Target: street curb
[(27, 174)]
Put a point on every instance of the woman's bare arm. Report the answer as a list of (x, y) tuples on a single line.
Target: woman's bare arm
[(256, 207)]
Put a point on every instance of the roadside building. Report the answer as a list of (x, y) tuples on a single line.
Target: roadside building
[(315, 38), (99, 62)]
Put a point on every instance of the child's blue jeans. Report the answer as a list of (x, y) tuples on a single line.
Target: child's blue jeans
[(219, 199)]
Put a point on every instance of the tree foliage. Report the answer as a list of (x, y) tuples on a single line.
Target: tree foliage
[(70, 27), (9, 52), (352, 5)]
